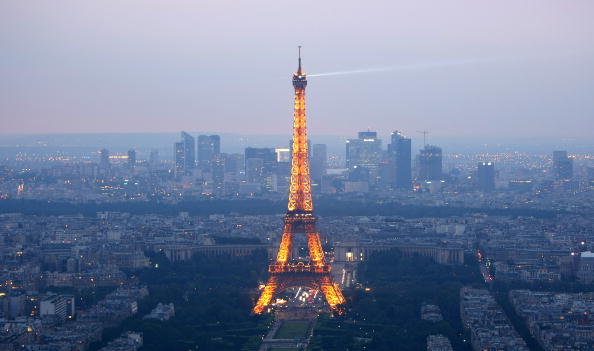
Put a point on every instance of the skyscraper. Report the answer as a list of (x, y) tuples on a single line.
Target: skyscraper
[(154, 159), (179, 157), (283, 154), (401, 159), (486, 176), (209, 147), (234, 164), (184, 155), (562, 165), (430, 163), (254, 170), (218, 174), (365, 151), (131, 158), (104, 159), (260, 165), (283, 169), (104, 164), (319, 163)]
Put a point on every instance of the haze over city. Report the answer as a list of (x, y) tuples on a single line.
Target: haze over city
[(461, 68), (296, 176)]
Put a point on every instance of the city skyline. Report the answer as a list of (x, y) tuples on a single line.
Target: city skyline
[(472, 221), (463, 69), (158, 193)]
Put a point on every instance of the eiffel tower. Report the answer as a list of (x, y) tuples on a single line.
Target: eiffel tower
[(286, 272)]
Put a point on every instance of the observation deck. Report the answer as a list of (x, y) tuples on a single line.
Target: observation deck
[(299, 267)]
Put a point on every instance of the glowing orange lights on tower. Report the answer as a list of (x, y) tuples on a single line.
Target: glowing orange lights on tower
[(285, 272), (300, 190)]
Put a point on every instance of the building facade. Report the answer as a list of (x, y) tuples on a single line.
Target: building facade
[(430, 163), (209, 147), (364, 152), (400, 161), (184, 155), (486, 176)]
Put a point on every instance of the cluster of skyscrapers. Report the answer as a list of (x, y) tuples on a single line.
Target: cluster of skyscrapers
[(258, 169), (367, 162), (367, 166), (185, 151)]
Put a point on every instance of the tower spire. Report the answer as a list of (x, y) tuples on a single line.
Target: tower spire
[(299, 70), (300, 199)]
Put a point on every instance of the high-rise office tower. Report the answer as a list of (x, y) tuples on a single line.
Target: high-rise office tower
[(400, 152), (131, 158), (154, 158), (430, 163), (104, 164), (179, 157), (260, 164), (254, 170), (283, 154), (218, 174), (365, 151), (319, 163), (184, 155), (209, 147), (283, 168), (190, 154), (104, 159), (234, 164), (562, 165), (486, 176)]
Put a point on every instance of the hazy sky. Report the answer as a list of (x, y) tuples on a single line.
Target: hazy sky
[(469, 67)]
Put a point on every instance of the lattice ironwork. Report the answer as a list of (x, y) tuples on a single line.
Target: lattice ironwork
[(285, 272)]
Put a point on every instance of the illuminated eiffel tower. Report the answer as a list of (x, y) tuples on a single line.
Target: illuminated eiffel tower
[(286, 272)]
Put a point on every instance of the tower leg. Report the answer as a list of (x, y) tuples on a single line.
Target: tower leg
[(316, 253), (332, 294), (284, 251), (266, 296)]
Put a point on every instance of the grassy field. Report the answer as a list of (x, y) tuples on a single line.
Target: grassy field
[(292, 329)]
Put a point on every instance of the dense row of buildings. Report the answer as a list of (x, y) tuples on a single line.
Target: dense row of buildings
[(558, 321), (57, 331), (489, 327), (39, 252)]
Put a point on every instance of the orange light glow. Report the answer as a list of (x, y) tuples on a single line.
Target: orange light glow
[(300, 189), (284, 250), (285, 272)]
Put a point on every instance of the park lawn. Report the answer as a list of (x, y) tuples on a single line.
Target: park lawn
[(292, 330)]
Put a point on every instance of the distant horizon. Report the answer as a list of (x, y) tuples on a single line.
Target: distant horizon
[(415, 134), (236, 142)]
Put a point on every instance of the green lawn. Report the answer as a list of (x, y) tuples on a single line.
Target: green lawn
[(292, 329)]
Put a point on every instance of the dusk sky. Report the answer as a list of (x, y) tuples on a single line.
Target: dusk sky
[(460, 68)]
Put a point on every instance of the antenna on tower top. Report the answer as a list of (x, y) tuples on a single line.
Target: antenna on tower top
[(424, 132), (299, 59)]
